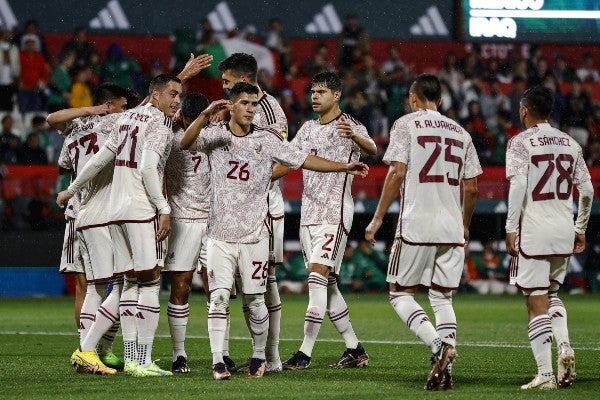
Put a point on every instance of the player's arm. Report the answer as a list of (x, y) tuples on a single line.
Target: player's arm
[(59, 119), (188, 142), (516, 197), (279, 171), (101, 159), (153, 185), (391, 187), (469, 200), (194, 66), (319, 164), (586, 195), (366, 144)]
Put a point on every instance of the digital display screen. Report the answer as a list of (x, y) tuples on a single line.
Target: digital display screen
[(532, 20)]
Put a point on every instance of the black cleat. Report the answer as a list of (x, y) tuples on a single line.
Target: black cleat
[(353, 358), (180, 366), (299, 360), (257, 367), (439, 366), (220, 372), (230, 364)]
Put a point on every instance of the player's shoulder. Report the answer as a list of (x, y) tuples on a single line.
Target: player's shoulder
[(268, 132), (351, 120), (403, 121)]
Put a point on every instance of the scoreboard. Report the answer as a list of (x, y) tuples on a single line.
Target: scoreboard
[(557, 21)]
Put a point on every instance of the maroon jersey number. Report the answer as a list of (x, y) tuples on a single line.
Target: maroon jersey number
[(424, 175), (131, 163), (236, 172), (564, 176)]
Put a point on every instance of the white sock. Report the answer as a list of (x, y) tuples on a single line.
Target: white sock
[(94, 295), (127, 311), (339, 314), (178, 319), (412, 314), (558, 317), (106, 341), (540, 337), (273, 302), (217, 322), (226, 338), (147, 319), (106, 317), (259, 324), (445, 319), (317, 304)]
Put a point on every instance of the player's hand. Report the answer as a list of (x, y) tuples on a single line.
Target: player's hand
[(511, 240), (358, 169), (579, 243), (372, 229), (344, 129), (177, 117), (195, 65), (467, 235), (164, 227), (63, 197), (217, 106), (101, 109)]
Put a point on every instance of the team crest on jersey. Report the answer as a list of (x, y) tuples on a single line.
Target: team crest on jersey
[(258, 149)]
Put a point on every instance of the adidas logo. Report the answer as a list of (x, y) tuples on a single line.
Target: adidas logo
[(325, 22), (221, 19), (430, 24), (111, 17), (126, 313), (140, 315), (557, 315), (325, 256), (548, 340), (7, 16)]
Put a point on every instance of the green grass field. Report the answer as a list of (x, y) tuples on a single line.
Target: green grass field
[(38, 336)]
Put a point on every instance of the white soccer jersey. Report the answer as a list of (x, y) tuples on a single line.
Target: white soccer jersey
[(141, 128), (84, 137), (240, 174), (269, 114), (188, 182), (552, 162), (439, 154), (327, 197)]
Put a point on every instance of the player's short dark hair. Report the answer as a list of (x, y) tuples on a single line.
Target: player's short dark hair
[(427, 87), (242, 87), (159, 82), (133, 98), (539, 101), (193, 104), (331, 80), (108, 91), (240, 64)]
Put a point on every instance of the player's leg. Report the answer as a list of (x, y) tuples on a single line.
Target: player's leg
[(558, 316), (272, 298), (533, 280), (220, 267), (253, 266), (148, 258), (70, 263)]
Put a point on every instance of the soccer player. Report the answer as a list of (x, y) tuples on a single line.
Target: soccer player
[(241, 67), (241, 156), (188, 189), (86, 130), (429, 156), (326, 218), (139, 147), (543, 164)]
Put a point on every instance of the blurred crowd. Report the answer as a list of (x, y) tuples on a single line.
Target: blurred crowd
[(481, 93)]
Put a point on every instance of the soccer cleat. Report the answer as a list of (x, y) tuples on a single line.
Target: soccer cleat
[(230, 364), (220, 372), (565, 367), (274, 366), (257, 368), (152, 370), (439, 365), (541, 383), (447, 382), (87, 362), (299, 360), (353, 358), (111, 360), (180, 366), (132, 368)]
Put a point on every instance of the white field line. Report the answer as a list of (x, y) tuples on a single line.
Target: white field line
[(390, 342)]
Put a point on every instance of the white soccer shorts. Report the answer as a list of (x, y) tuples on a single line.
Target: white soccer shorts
[(70, 259), (535, 276), (186, 246), (97, 253), (439, 267), (323, 244), (225, 259), (137, 240)]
